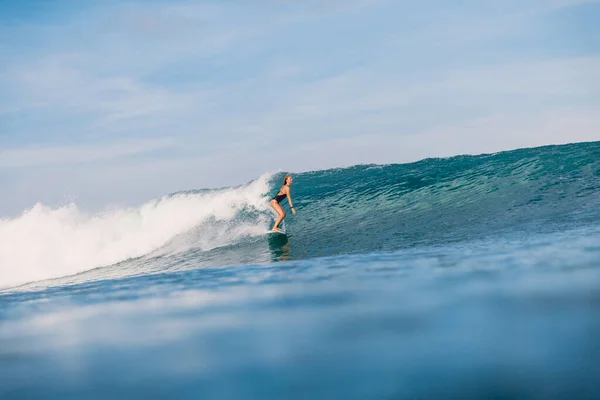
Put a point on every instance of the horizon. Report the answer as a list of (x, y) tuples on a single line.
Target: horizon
[(122, 102)]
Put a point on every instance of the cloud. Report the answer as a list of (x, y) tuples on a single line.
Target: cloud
[(61, 83), (359, 102), (70, 155), (568, 3), (485, 135)]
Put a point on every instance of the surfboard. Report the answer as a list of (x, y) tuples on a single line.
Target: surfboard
[(272, 232)]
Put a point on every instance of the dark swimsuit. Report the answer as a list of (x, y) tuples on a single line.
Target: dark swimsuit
[(279, 197)]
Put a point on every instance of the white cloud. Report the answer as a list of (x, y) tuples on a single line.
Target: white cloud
[(486, 135), (568, 3), (61, 84), (68, 155), (365, 102)]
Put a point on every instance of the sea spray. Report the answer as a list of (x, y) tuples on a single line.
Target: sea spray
[(46, 243)]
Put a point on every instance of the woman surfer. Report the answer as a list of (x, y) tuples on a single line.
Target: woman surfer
[(283, 193)]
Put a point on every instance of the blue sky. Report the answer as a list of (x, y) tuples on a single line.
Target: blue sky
[(116, 102)]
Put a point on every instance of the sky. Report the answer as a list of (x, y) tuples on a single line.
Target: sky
[(106, 103)]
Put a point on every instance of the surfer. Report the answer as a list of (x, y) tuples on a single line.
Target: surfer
[(283, 193)]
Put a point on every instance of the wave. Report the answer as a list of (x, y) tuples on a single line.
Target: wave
[(46, 243), (363, 208)]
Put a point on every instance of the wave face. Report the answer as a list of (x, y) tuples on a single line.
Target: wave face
[(340, 211), (367, 208)]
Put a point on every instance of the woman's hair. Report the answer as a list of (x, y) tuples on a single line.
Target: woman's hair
[(286, 178)]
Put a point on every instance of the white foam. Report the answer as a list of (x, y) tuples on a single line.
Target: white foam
[(46, 243)]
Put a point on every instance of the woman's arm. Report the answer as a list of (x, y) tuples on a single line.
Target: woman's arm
[(289, 197)]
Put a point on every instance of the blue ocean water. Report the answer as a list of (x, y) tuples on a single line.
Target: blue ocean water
[(467, 277)]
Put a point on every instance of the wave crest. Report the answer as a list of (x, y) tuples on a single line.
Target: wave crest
[(45, 243)]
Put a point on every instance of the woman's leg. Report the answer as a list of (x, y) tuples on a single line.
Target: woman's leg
[(281, 213)]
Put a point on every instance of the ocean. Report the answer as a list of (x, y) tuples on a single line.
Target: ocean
[(464, 277)]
